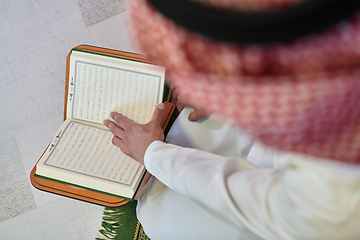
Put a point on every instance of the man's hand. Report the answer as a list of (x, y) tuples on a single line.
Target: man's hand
[(132, 138), (180, 102)]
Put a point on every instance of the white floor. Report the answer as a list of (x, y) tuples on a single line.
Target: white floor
[(35, 37)]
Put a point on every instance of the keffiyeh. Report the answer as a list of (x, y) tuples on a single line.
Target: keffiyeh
[(301, 95)]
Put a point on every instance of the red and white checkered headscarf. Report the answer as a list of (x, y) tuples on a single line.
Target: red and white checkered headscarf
[(302, 95)]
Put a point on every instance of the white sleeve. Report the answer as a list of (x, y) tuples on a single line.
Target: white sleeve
[(291, 202), (223, 184)]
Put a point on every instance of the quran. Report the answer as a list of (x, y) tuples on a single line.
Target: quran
[(81, 153)]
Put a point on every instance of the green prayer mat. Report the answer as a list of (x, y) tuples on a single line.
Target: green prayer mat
[(122, 224)]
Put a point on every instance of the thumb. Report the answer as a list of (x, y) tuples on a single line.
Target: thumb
[(158, 114), (196, 115)]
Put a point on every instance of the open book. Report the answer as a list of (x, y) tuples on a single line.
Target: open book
[(81, 153)]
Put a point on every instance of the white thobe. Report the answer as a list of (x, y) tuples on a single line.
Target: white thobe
[(217, 194)]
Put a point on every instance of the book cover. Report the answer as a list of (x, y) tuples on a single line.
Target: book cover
[(81, 157)]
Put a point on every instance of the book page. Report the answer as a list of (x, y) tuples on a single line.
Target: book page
[(100, 84), (84, 155)]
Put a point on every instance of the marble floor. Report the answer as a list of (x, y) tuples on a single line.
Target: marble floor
[(35, 37)]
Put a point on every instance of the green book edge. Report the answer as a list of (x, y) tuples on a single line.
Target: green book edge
[(95, 190)]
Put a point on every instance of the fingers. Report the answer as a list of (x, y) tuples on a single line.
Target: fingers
[(133, 138), (120, 119), (196, 115), (120, 124), (158, 114), (181, 102), (118, 132), (115, 129), (175, 99), (120, 144)]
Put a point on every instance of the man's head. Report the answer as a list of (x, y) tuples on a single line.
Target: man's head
[(300, 94)]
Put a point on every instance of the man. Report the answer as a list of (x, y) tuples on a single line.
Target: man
[(296, 93)]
